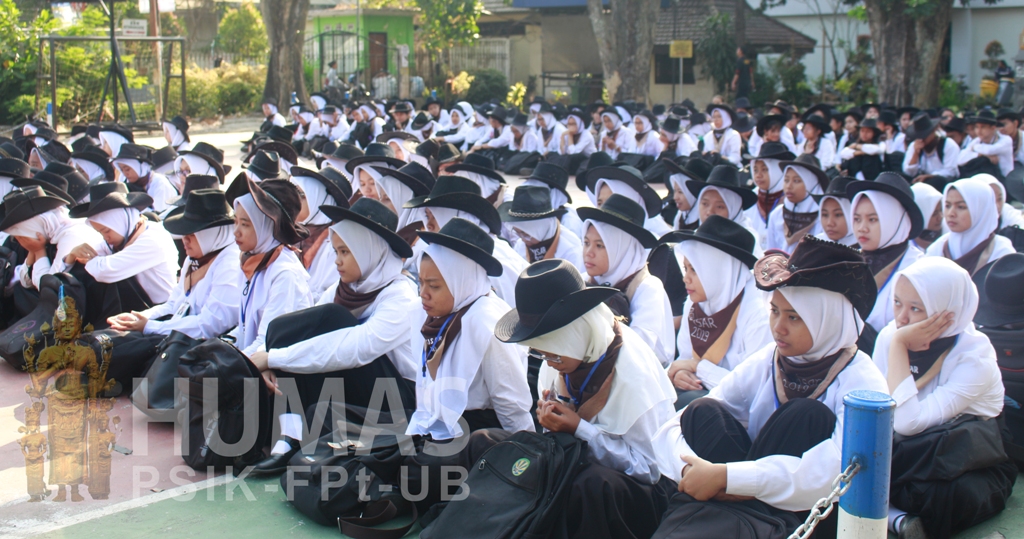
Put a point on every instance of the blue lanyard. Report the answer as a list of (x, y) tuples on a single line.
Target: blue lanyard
[(577, 399), (248, 296), (434, 345)]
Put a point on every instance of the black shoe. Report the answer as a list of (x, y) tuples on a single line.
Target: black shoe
[(276, 464), (911, 527)]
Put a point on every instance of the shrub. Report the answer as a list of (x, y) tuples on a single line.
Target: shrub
[(241, 32), (229, 89), (487, 84)]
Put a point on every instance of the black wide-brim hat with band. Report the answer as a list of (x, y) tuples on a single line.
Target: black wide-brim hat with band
[(384, 138), (808, 162), (468, 240), (53, 184), (284, 150), (895, 186), (128, 150), (265, 164), (596, 160), (553, 175), (194, 182), (1015, 183), (414, 175), (97, 159), (267, 196), (624, 214), (775, 150), (695, 169), (77, 185), (203, 209), (723, 234), (23, 204), (529, 203), (331, 184), (110, 196), (1002, 297), (481, 164), (836, 188), (984, 116), (212, 155), (12, 167), (922, 126), (550, 294), (821, 264), (633, 178), (724, 177), (376, 218), (765, 121), (462, 194), (375, 153)]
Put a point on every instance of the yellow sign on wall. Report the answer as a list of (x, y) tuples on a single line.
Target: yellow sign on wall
[(681, 48)]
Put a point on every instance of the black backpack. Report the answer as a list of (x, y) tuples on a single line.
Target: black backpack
[(1009, 346), (517, 489), (215, 359)]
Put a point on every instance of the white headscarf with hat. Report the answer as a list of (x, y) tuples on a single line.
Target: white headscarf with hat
[(618, 187), (488, 185), (981, 203), (114, 140), (141, 169), (399, 193), (196, 165), (726, 118), (807, 205), (944, 286), (212, 239), (733, 203), (466, 279), (121, 220), (316, 196), (46, 224), (722, 275), (378, 264), (830, 318), (263, 225), (679, 185), (893, 231), (927, 198), (626, 255)]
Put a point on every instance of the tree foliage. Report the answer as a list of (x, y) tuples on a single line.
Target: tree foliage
[(716, 51), (242, 32), (447, 23)]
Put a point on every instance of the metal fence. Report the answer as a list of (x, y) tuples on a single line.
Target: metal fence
[(212, 59), (379, 71), (75, 75), (484, 53), (579, 87)]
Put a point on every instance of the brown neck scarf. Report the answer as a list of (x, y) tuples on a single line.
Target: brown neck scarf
[(766, 202), (797, 224), (255, 263), (545, 249), (355, 302), (974, 259), (706, 330), (435, 342), (197, 269), (602, 370), (808, 380), (310, 246), (493, 197)]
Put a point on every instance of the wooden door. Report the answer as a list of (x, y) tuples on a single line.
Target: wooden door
[(378, 52)]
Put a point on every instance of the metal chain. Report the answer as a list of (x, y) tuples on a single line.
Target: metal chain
[(823, 508)]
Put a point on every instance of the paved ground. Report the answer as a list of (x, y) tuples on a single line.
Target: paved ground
[(148, 501)]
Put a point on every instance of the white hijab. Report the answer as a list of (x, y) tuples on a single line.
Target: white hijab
[(679, 184), (775, 174), (586, 338), (844, 203), (646, 123), (399, 193), (944, 286), (196, 165), (726, 119), (488, 185), (831, 319), (263, 225), (981, 203), (121, 220), (466, 280), (378, 264), (626, 255), (722, 275), (926, 197), (368, 167), (549, 120), (443, 215), (48, 224), (538, 229), (173, 135), (316, 196), (92, 170), (893, 231), (114, 140), (808, 204), (733, 203), (618, 187), (616, 121), (141, 169), (218, 237)]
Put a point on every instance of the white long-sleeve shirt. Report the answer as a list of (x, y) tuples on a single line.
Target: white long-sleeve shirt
[(624, 142), (71, 235), (585, 145), (503, 139), (969, 382), (929, 163), (381, 332), (826, 153), (279, 289), (731, 147), (152, 259), (651, 318), (513, 264), (1002, 147), (748, 394), (752, 334), (161, 189), (527, 143), (212, 304), (552, 145), (650, 145)]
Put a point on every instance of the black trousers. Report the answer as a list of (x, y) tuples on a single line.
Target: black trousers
[(715, 435)]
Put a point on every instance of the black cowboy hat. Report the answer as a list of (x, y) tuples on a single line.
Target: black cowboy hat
[(480, 164), (855, 112), (765, 122), (1008, 114), (413, 175), (23, 204), (212, 155), (871, 123), (98, 158), (550, 294), (54, 184), (500, 114), (266, 164), (632, 177), (624, 214), (671, 125), (181, 124), (376, 218), (888, 117), (742, 103), (1015, 183), (77, 185), (529, 203), (428, 148), (955, 124), (432, 100), (825, 110), (14, 168), (345, 151), (278, 133), (278, 199), (375, 153), (164, 155), (463, 194), (338, 177), (817, 121), (334, 184), (117, 128), (110, 196), (448, 153), (1001, 296), (143, 154), (836, 188), (194, 182), (867, 106), (985, 116), (8, 150), (723, 234), (384, 138), (895, 186), (203, 209), (811, 163), (553, 175), (744, 122), (820, 264), (519, 120), (420, 121), (775, 150), (786, 108), (597, 159), (903, 110), (922, 126), (283, 150), (54, 151), (81, 143), (694, 169), (724, 177), (468, 240), (401, 106)]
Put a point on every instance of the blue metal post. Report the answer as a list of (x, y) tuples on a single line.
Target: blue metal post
[(867, 440)]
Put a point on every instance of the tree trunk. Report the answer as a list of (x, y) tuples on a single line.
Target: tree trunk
[(286, 25), (908, 49), (625, 43)]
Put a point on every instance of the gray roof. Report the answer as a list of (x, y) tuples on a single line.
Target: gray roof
[(761, 31)]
